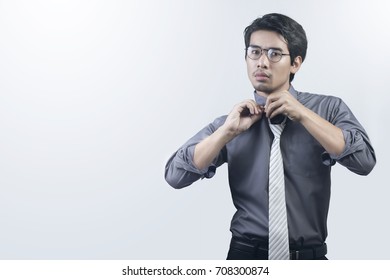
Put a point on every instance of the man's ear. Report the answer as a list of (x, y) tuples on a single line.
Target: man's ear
[(296, 65)]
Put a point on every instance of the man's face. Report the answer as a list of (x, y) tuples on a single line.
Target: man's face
[(267, 76)]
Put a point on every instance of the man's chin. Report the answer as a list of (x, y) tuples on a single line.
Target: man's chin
[(263, 89)]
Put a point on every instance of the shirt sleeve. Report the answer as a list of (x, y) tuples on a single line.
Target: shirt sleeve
[(180, 170), (358, 155)]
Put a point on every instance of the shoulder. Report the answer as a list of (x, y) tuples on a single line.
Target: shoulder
[(308, 96), (328, 106), (315, 100)]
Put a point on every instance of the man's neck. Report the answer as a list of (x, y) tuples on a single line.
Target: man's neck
[(266, 94)]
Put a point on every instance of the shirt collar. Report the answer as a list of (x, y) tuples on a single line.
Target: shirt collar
[(261, 99)]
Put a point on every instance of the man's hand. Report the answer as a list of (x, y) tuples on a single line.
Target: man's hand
[(242, 117), (327, 134), (284, 103)]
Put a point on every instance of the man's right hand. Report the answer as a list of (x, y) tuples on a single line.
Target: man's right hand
[(242, 117)]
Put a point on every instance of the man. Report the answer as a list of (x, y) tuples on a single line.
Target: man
[(317, 131)]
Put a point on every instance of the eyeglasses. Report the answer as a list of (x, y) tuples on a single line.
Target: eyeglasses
[(273, 55)]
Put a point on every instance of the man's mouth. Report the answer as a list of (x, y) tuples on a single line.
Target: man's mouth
[(261, 76)]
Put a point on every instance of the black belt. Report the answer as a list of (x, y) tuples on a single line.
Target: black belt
[(309, 253), (260, 250)]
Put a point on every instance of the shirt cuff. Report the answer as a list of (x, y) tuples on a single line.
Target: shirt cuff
[(186, 155), (353, 142)]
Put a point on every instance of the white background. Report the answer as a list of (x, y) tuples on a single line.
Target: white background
[(96, 95)]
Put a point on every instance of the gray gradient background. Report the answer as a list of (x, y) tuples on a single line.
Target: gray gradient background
[(96, 95)]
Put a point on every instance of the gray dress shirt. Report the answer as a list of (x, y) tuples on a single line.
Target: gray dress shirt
[(307, 168)]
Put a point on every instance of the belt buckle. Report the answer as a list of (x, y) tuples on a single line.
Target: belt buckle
[(294, 255)]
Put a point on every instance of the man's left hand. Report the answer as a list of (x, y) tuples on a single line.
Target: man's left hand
[(283, 102)]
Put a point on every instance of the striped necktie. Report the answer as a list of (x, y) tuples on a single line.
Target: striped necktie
[(278, 230)]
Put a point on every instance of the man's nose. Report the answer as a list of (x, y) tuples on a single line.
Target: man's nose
[(262, 62)]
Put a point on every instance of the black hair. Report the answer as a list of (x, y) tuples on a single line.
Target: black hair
[(291, 31)]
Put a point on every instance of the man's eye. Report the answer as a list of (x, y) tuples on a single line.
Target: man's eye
[(275, 54), (255, 52)]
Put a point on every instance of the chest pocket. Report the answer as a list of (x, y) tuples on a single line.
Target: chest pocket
[(301, 152)]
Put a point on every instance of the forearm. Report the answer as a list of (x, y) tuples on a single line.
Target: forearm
[(209, 148), (328, 135), (359, 155), (193, 160), (177, 172), (241, 118), (180, 170)]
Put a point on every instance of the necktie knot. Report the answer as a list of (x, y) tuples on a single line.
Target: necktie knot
[(276, 128)]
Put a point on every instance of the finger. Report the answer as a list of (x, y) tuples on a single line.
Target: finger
[(273, 97), (242, 107), (259, 109), (253, 106), (249, 107), (255, 118), (278, 111), (248, 122), (274, 105)]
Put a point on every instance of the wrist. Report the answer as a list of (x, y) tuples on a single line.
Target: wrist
[(303, 115), (225, 134)]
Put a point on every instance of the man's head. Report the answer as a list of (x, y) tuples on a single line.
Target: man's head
[(285, 35)]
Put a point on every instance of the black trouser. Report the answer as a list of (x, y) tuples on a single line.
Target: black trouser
[(241, 249)]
